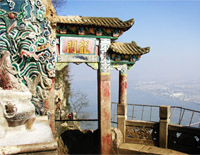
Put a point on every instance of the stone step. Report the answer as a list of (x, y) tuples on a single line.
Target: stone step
[(128, 148)]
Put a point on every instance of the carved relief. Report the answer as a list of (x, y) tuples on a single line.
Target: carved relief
[(15, 109), (104, 58), (26, 35), (142, 133), (15, 99), (11, 4), (8, 73)]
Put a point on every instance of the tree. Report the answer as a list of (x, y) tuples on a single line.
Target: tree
[(67, 99), (58, 3), (78, 100)]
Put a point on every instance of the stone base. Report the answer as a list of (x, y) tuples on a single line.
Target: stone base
[(20, 140)]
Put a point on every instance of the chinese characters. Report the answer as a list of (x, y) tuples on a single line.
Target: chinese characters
[(77, 47)]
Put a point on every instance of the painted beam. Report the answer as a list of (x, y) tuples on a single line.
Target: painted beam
[(86, 36), (77, 58)]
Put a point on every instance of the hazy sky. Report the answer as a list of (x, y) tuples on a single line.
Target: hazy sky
[(170, 28)]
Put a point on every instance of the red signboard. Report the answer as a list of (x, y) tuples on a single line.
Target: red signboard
[(78, 46)]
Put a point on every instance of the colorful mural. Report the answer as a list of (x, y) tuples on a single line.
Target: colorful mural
[(26, 35)]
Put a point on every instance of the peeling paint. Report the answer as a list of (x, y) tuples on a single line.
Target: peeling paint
[(107, 143)]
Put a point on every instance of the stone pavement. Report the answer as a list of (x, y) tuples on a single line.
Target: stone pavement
[(127, 148)]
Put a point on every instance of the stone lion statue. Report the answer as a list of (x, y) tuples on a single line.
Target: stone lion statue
[(15, 98)]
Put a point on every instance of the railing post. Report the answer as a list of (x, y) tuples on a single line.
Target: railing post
[(164, 121), (121, 119)]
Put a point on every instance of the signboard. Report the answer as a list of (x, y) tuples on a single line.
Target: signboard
[(78, 49), (77, 46)]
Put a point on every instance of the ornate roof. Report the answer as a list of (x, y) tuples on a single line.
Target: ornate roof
[(128, 48), (96, 21)]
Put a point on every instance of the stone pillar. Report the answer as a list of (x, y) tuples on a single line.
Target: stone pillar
[(164, 121), (104, 101), (122, 106)]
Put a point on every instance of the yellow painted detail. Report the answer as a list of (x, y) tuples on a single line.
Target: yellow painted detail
[(104, 73), (60, 66)]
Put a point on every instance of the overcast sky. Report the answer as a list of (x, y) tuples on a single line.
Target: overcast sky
[(170, 28)]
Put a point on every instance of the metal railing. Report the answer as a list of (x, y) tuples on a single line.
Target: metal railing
[(82, 122), (179, 115), (114, 112), (186, 117), (146, 111)]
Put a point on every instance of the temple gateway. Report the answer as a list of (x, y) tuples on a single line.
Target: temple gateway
[(92, 40)]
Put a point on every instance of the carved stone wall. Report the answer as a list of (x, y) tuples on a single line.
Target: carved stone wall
[(27, 35), (142, 132)]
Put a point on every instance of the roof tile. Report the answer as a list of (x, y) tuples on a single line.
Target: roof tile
[(96, 21), (128, 48)]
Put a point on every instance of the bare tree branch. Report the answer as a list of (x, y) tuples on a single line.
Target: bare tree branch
[(78, 100)]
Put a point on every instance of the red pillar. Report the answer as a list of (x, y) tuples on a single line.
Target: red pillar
[(122, 88), (104, 101), (104, 112), (122, 106)]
